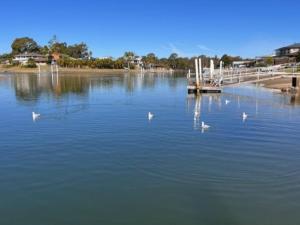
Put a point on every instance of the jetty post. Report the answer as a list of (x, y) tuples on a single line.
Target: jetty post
[(197, 73), (221, 70), (200, 71), (212, 68), (201, 86)]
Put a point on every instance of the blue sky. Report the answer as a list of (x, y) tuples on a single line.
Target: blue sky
[(190, 27)]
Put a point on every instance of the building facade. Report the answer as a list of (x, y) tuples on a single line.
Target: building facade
[(288, 51), (23, 58)]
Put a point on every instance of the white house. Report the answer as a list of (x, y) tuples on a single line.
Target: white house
[(137, 61), (23, 58)]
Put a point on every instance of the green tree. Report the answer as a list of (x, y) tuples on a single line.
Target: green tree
[(172, 60), (61, 48), (227, 60), (119, 63), (5, 57), (182, 63), (24, 44), (78, 51), (44, 50), (269, 61), (31, 64), (163, 62), (150, 59)]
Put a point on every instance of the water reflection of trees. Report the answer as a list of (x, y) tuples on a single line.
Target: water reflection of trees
[(31, 87), (74, 85), (26, 87)]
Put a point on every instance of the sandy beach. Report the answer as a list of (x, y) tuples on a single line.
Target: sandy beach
[(281, 83)]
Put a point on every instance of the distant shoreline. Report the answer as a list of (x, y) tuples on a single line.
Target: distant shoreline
[(47, 69), (276, 84)]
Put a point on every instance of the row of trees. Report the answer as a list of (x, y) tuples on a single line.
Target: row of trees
[(28, 45), (79, 55)]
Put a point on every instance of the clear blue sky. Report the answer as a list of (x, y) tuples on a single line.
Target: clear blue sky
[(189, 27)]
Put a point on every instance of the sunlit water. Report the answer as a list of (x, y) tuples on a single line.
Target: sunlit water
[(94, 158)]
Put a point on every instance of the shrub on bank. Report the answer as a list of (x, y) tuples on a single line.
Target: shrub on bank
[(30, 64)]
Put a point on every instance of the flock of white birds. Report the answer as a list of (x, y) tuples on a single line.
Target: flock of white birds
[(204, 126)]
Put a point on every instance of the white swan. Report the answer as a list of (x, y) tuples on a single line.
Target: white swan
[(204, 126), (35, 116), (245, 116), (227, 102), (150, 116)]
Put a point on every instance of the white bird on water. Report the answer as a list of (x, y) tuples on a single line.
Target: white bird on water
[(204, 126), (150, 116), (245, 116), (35, 116), (227, 102)]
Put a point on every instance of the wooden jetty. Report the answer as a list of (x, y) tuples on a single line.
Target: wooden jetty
[(199, 84), (216, 80), (203, 89)]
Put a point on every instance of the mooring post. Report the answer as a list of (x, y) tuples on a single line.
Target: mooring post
[(200, 70), (221, 67), (212, 67), (221, 71), (197, 73)]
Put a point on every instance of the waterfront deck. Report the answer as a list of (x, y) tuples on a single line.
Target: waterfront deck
[(215, 80), (203, 89)]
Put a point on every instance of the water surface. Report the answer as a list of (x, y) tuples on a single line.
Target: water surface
[(94, 158)]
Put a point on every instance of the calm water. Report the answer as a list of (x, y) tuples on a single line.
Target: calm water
[(94, 158)]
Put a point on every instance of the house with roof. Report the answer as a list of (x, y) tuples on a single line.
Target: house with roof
[(23, 58), (288, 51), (287, 54), (137, 61)]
